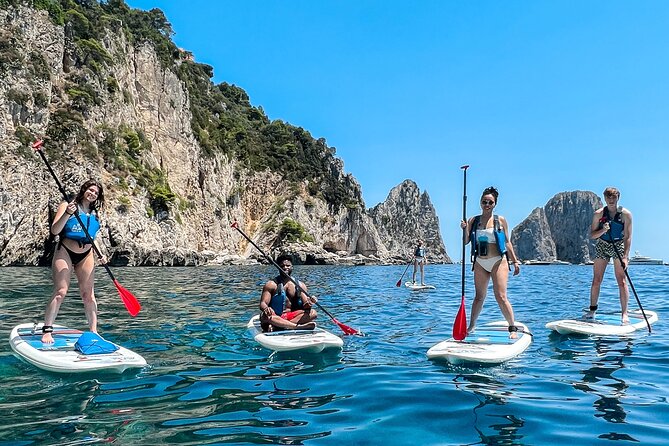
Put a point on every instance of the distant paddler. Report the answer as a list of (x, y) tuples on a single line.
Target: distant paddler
[(283, 305), (419, 261)]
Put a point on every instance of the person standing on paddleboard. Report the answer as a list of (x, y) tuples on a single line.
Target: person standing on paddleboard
[(612, 227), (74, 253), (419, 261), (492, 252), (283, 304)]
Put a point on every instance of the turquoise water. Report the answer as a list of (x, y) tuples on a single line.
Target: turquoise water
[(208, 383)]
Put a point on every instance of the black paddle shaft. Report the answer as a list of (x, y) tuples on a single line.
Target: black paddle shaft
[(38, 148), (464, 230), (297, 284), (615, 248)]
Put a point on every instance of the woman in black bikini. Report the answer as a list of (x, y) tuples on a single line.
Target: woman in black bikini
[(74, 253)]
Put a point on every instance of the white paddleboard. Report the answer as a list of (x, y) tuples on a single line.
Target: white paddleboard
[(26, 342), (604, 324), (417, 286), (313, 341), (489, 344)]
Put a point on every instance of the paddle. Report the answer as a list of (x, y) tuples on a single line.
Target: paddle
[(130, 302), (399, 282), (345, 328), (620, 258), (460, 324)]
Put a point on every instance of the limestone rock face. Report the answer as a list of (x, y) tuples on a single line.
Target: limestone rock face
[(406, 215), (532, 238), (560, 230), (41, 99)]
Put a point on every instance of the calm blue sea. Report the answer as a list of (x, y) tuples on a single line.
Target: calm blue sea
[(208, 383)]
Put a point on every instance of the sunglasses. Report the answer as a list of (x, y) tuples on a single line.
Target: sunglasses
[(487, 202)]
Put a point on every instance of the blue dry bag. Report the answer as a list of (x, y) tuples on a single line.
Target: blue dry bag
[(90, 343)]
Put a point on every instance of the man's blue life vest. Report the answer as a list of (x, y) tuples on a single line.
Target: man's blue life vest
[(617, 226), (278, 300)]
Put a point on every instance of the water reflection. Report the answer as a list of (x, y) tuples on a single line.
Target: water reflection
[(209, 383), (611, 354), (492, 394), (598, 378)]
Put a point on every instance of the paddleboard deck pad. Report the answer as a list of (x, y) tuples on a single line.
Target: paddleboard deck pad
[(604, 324), (313, 341), (416, 286), (61, 356), (488, 344)]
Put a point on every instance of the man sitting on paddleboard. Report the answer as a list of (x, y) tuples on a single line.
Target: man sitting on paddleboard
[(283, 305)]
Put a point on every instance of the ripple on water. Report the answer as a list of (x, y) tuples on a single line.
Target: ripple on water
[(208, 382)]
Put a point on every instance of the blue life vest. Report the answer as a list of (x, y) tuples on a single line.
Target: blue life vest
[(419, 252), (90, 343), (617, 226), (278, 300), (74, 231), (500, 238)]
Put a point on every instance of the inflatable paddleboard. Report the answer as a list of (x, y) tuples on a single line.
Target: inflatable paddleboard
[(26, 342), (416, 286), (604, 324), (313, 341), (488, 344)]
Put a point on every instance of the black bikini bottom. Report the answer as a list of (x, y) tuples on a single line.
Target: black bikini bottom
[(76, 257)]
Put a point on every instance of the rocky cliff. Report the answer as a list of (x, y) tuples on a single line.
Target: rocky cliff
[(178, 165), (405, 216), (532, 239), (558, 231)]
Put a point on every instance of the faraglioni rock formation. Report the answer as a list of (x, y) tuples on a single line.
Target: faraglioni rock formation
[(179, 157), (558, 231), (532, 238), (405, 216)]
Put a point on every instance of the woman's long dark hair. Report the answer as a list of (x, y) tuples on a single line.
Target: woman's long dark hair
[(99, 202)]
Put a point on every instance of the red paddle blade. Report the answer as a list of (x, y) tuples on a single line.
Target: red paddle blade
[(345, 328), (399, 283), (460, 324), (130, 301)]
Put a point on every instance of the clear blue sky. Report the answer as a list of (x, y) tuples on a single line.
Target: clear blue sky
[(538, 97)]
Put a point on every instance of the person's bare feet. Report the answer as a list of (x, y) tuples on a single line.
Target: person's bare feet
[(47, 338), (307, 326)]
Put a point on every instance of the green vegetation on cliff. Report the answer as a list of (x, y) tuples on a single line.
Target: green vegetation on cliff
[(293, 231), (223, 119)]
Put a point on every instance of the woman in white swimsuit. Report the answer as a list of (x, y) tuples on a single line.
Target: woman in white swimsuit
[(489, 260)]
